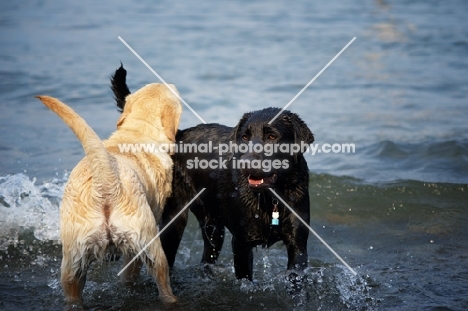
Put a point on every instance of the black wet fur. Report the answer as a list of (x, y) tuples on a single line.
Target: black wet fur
[(119, 87)]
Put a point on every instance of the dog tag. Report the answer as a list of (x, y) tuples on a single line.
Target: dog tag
[(275, 214)]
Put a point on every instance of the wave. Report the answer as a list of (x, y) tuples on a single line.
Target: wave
[(387, 161), (25, 205)]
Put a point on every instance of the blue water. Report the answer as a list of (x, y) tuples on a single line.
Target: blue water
[(398, 93)]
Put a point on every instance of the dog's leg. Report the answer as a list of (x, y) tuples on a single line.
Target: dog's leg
[(156, 264), (72, 282), (243, 259), (212, 233), (131, 274), (213, 239), (155, 261), (296, 244), (297, 256), (171, 237)]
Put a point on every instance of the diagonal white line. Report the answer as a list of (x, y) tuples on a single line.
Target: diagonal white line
[(162, 80), (161, 231), (315, 233), (311, 81)]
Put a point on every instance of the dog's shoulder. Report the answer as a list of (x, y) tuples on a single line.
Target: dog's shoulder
[(204, 132)]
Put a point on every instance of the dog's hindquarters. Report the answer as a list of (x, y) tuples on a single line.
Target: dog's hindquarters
[(134, 231), (88, 233), (99, 210)]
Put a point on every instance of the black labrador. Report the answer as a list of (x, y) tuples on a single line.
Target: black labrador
[(237, 194)]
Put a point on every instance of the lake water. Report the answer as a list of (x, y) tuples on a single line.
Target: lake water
[(396, 209)]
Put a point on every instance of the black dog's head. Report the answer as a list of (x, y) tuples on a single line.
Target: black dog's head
[(266, 151)]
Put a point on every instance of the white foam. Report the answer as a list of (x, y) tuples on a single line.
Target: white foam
[(23, 205)]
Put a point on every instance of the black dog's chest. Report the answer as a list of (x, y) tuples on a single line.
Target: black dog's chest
[(255, 226), (264, 233)]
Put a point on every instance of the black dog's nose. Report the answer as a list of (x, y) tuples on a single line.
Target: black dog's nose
[(252, 164)]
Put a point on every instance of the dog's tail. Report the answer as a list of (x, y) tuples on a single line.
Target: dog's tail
[(100, 160), (119, 87)]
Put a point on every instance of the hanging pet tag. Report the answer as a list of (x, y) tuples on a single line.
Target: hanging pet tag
[(275, 220), (275, 215)]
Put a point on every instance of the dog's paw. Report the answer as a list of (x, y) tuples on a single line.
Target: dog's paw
[(168, 298), (75, 306)]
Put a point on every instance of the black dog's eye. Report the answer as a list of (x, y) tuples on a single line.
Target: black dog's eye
[(245, 137), (272, 137)]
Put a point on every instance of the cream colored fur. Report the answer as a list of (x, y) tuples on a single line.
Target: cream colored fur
[(115, 199)]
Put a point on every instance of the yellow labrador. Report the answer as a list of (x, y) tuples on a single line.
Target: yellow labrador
[(115, 199)]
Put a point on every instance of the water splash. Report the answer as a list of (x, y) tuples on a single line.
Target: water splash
[(25, 205)]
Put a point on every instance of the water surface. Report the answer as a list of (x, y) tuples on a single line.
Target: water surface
[(395, 210)]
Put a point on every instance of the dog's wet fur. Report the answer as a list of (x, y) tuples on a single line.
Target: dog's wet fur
[(238, 199), (113, 201)]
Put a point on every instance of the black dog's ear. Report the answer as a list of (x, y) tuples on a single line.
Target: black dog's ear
[(119, 87), (302, 133), (235, 131)]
